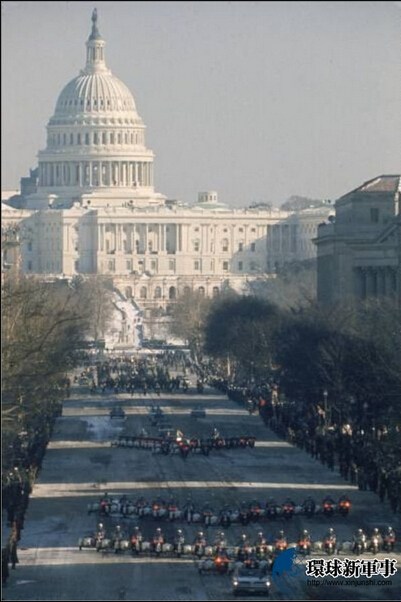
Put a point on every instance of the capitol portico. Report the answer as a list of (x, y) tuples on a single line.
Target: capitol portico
[(95, 210)]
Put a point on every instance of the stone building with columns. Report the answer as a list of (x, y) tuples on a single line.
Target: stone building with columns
[(96, 211), (359, 253)]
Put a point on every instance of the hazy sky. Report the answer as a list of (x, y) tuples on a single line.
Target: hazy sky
[(257, 100)]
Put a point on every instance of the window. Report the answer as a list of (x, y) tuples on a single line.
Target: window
[(225, 266), (129, 264), (29, 246), (240, 266), (240, 246), (197, 265), (196, 229), (172, 293), (216, 291), (29, 266), (95, 138), (104, 138), (253, 229), (374, 215), (143, 292), (112, 138), (153, 265), (171, 264), (86, 138), (119, 139), (225, 230), (157, 293), (71, 138), (241, 229), (253, 247), (201, 291), (196, 244), (64, 139), (111, 265), (78, 138), (224, 245)]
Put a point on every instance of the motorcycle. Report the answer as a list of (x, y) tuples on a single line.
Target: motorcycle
[(389, 543), (329, 546), (328, 508), (86, 542), (280, 545), (309, 509), (344, 507), (304, 546), (244, 517), (359, 547), (179, 547), (375, 544), (158, 546), (136, 544), (288, 511)]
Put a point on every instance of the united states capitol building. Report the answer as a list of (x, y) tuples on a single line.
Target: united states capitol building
[(95, 209)]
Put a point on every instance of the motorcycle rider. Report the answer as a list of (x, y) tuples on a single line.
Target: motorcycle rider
[(136, 540), (389, 539), (280, 543), (288, 507), (243, 546), (328, 504), (158, 539), (330, 537), (179, 541), (309, 505), (215, 433), (221, 542), (305, 540), (200, 543), (359, 539), (271, 507), (376, 538), (100, 533)]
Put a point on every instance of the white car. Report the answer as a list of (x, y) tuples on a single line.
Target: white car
[(251, 581)]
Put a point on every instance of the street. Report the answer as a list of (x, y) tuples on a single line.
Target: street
[(80, 464)]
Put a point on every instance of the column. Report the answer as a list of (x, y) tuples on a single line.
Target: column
[(90, 173), (370, 283), (136, 172)]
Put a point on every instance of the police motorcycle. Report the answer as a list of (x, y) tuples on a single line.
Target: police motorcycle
[(244, 548), (91, 540), (389, 540), (158, 542), (255, 511), (244, 514), (288, 509), (136, 541), (359, 543), (304, 544), (272, 509), (209, 516), (376, 541), (173, 510), (262, 548), (329, 542), (309, 507), (200, 544), (120, 541), (179, 542), (344, 505), (280, 543), (328, 506)]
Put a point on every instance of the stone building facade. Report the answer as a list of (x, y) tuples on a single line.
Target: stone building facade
[(359, 253)]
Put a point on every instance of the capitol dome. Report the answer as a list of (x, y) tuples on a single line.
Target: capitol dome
[(96, 138), (97, 94)]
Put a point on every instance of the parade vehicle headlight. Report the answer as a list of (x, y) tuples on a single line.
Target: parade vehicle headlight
[(267, 583), (235, 583)]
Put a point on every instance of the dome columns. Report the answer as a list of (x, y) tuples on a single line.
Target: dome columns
[(96, 174)]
